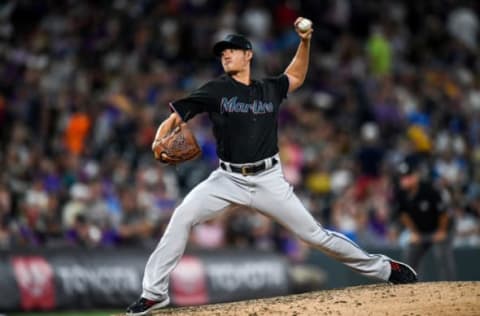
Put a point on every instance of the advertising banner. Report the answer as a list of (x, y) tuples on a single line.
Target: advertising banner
[(112, 278), (243, 275), (224, 276)]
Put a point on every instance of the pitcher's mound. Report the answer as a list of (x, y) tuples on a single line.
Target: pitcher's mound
[(434, 298)]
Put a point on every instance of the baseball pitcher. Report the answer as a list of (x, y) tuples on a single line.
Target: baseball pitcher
[(244, 113)]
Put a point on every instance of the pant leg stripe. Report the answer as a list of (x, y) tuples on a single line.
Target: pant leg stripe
[(329, 233)]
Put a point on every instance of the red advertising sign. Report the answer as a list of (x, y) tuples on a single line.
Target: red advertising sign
[(35, 280), (188, 282)]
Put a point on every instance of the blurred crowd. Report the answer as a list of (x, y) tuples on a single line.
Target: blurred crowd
[(84, 85)]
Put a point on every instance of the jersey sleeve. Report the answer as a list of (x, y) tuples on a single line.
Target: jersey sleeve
[(199, 101)]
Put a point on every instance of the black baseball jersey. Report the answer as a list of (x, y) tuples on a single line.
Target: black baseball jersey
[(244, 117), (424, 207)]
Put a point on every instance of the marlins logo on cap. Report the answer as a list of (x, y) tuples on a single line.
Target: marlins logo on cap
[(232, 41)]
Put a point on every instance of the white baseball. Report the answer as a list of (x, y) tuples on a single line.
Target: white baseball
[(304, 25)]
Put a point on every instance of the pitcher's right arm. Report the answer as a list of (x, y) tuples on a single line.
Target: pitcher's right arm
[(167, 125)]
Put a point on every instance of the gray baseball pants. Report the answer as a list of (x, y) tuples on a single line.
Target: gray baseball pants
[(442, 254), (269, 193)]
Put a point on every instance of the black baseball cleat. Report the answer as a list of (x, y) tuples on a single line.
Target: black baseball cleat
[(401, 273), (143, 306)]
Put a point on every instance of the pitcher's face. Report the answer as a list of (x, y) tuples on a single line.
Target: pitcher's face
[(235, 60)]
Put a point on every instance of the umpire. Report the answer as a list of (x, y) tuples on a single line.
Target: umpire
[(423, 211)]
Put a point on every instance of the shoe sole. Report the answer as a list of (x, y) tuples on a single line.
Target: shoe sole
[(152, 308), (406, 265)]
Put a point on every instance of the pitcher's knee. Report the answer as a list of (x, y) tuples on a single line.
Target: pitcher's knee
[(184, 216), (314, 236)]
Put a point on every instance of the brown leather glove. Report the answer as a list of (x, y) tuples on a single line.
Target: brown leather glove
[(177, 146)]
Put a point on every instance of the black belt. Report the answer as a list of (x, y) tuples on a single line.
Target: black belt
[(248, 169)]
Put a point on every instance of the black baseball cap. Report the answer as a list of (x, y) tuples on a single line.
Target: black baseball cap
[(232, 41), (409, 166)]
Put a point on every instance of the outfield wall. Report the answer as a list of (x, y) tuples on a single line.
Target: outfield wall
[(58, 279), (467, 266), (111, 278)]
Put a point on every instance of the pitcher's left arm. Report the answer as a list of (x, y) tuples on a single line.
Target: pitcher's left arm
[(298, 67)]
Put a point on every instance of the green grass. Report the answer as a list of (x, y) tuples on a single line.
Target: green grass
[(70, 313)]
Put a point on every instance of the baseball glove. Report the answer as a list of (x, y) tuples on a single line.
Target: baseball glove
[(177, 146)]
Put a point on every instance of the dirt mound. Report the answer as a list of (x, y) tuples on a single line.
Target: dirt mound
[(433, 298)]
